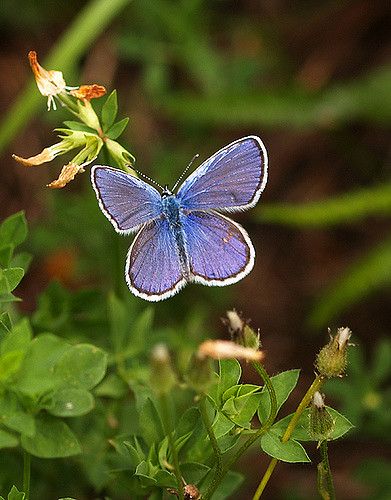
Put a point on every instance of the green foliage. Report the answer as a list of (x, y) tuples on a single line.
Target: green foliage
[(363, 395), (13, 232)]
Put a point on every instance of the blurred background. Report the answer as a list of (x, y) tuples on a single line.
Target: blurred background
[(313, 80)]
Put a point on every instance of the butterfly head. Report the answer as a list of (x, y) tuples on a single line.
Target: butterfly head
[(166, 192)]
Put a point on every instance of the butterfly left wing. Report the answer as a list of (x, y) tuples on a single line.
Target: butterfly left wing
[(220, 251), (153, 268), (232, 179), (128, 202)]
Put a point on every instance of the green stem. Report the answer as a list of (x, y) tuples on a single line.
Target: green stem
[(88, 25), (315, 386), (166, 417), (270, 389), (26, 474), (325, 478), (218, 475)]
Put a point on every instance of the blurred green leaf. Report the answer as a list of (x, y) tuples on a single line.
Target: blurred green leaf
[(9, 364), (283, 384), (365, 99), (291, 451), (109, 111), (14, 416), (13, 230), (229, 375), (52, 439), (8, 440), (82, 366), (360, 280), (70, 402), (345, 209)]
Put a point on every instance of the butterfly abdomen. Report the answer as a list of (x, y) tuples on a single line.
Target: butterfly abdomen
[(171, 211)]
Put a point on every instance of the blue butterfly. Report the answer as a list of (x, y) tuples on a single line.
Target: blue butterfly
[(183, 237)]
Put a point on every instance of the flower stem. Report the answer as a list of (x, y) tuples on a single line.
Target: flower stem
[(26, 474), (315, 386), (325, 478), (218, 475), (166, 417)]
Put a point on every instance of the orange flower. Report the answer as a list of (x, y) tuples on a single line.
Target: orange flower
[(88, 92)]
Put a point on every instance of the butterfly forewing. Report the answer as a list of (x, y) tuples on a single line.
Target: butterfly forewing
[(232, 179), (220, 251), (127, 201)]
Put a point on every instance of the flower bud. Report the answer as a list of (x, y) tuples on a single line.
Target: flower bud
[(321, 422), (199, 375), (332, 358), (162, 376), (240, 331)]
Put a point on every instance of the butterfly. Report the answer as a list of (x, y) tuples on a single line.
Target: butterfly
[(184, 237)]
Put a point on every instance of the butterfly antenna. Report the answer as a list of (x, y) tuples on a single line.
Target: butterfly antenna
[(184, 172), (152, 181)]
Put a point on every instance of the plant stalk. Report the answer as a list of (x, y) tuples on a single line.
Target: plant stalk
[(315, 386), (26, 474)]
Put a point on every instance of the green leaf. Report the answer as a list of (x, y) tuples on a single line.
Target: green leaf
[(79, 126), (150, 423), (36, 375), (229, 375), (10, 278), (109, 111), (22, 259), (341, 426), (13, 231), (362, 278), (15, 494), (116, 130), (14, 416), (8, 440), (6, 252), (9, 364), (283, 384), (291, 451), (194, 472), (112, 387), (69, 402), (228, 485), (52, 439), (242, 403), (83, 366), (5, 327), (18, 339)]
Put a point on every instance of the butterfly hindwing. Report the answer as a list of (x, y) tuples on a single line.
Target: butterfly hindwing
[(126, 201), (219, 250), (231, 179), (153, 269)]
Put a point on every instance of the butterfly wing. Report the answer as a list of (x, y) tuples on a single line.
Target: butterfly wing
[(153, 269), (128, 202), (232, 179), (220, 251)]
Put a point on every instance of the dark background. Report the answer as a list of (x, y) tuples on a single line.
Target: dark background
[(194, 76)]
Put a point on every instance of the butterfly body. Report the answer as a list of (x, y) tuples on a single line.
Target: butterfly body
[(183, 237)]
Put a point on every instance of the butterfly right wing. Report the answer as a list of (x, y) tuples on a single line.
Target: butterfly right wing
[(153, 269), (128, 202)]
